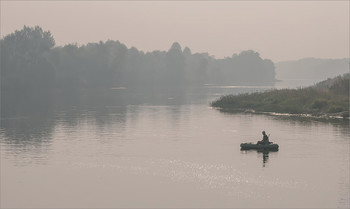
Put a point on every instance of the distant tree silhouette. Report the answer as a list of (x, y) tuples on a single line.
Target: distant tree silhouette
[(246, 67), (33, 71), (27, 74), (175, 63)]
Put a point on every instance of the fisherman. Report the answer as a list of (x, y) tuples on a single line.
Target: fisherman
[(265, 139)]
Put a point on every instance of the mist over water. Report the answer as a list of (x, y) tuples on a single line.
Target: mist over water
[(106, 126), (170, 150)]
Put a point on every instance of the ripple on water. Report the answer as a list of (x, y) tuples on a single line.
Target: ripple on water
[(221, 178)]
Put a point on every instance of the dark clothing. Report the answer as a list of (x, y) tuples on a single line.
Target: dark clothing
[(265, 140)]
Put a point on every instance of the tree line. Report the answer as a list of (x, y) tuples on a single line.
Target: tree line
[(34, 69)]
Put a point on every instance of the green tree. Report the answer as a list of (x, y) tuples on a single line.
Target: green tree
[(27, 74), (175, 63)]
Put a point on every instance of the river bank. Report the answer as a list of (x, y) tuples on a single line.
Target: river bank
[(328, 99)]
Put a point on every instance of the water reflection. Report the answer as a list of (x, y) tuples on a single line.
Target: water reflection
[(265, 157), (310, 120), (263, 154), (340, 125), (176, 141), (30, 138)]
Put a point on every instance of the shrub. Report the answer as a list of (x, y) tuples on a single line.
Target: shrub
[(335, 109), (345, 114), (319, 104)]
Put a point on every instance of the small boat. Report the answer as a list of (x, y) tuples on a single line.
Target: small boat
[(271, 146)]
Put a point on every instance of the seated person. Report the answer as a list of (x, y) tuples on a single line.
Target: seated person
[(265, 139)]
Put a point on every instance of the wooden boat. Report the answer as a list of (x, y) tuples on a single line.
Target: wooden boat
[(271, 146)]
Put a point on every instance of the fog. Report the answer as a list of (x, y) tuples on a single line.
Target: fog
[(55, 52), (278, 30), (312, 68), (35, 73), (109, 104)]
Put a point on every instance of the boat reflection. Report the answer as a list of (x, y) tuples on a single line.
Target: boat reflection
[(261, 153), (265, 157)]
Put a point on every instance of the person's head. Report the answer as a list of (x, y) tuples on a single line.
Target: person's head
[(263, 133)]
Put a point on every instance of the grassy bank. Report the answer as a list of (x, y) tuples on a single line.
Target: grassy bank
[(327, 98)]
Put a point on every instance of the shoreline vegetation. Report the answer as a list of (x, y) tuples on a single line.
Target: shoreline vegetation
[(37, 74), (327, 99)]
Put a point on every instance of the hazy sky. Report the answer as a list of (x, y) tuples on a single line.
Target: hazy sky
[(278, 30)]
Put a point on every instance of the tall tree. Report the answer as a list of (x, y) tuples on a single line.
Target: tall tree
[(27, 75), (175, 63)]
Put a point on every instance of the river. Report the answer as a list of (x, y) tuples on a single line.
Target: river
[(171, 150)]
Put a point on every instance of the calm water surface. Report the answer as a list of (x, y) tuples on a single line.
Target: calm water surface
[(174, 152)]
